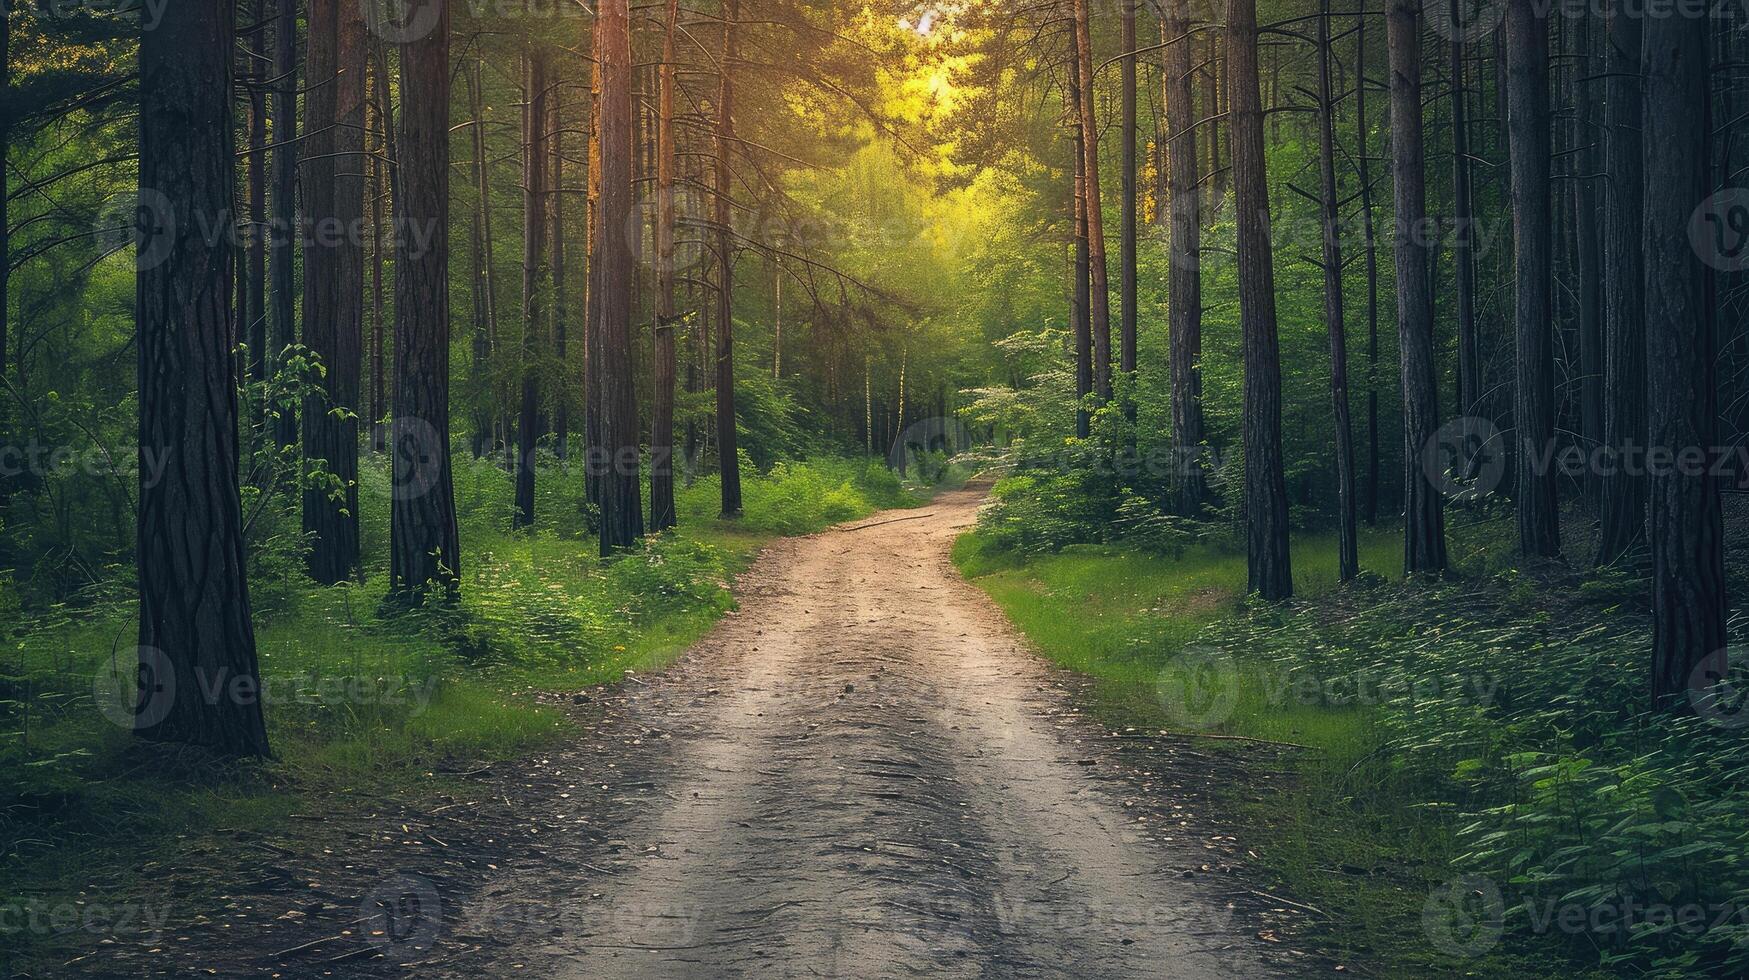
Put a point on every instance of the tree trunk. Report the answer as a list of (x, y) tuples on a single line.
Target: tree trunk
[(1099, 312), (379, 197), (1687, 535), (534, 237), (1527, 41), (1080, 266), (424, 551), (282, 254), (1363, 157), (255, 274), (622, 509), (195, 627), (1588, 268), (484, 325), (1623, 518), (561, 330), (592, 294), (1463, 243), (1184, 293), (1266, 512), (333, 177), (727, 443), (1347, 536), (1423, 509), (662, 514), (1127, 243)]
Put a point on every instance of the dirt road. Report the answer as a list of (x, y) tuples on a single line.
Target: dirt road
[(862, 774)]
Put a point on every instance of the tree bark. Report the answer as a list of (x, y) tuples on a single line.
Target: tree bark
[(1687, 535), (1347, 536), (333, 176), (622, 509), (484, 301), (424, 550), (534, 237), (195, 627), (255, 273), (1099, 312), (1127, 232), (1266, 511), (1423, 509), (1527, 40), (727, 442), (662, 515), (1623, 517), (1588, 268), (1184, 285), (282, 255), (1363, 157), (1080, 266), (561, 329), (1463, 242)]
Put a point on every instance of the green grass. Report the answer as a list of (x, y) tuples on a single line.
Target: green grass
[(1343, 833), (364, 704)]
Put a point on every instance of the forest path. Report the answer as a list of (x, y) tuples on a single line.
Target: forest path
[(863, 773)]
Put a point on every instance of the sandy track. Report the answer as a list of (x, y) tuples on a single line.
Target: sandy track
[(862, 774)]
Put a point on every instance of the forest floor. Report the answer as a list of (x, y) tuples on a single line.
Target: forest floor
[(863, 772)]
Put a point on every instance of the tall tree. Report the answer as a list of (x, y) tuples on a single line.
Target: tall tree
[(195, 627), (1687, 534), (1184, 286), (1527, 110), (1127, 238), (1266, 511), (282, 253), (1080, 264), (255, 270), (1369, 241), (622, 508), (485, 299), (1099, 312), (1347, 537), (333, 179), (1423, 510), (561, 303), (534, 238), (727, 442), (662, 514), (1623, 517), (1463, 242), (424, 550), (1587, 236)]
